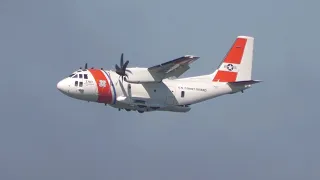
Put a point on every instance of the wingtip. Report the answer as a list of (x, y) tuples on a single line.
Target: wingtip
[(192, 56)]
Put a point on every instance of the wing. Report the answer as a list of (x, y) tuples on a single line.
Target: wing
[(174, 67)]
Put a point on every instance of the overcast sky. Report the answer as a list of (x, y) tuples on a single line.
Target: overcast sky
[(269, 132)]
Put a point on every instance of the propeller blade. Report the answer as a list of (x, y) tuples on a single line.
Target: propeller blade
[(125, 65), (117, 68), (121, 60), (122, 69), (86, 66)]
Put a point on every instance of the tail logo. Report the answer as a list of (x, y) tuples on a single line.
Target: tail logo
[(230, 67)]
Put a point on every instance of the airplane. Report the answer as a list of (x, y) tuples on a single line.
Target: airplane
[(160, 88)]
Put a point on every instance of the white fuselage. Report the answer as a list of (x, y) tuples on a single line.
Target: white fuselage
[(158, 88), (168, 95)]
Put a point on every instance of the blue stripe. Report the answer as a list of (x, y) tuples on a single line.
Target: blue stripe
[(114, 90)]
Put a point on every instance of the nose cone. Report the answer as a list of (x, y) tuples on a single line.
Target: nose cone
[(62, 86)]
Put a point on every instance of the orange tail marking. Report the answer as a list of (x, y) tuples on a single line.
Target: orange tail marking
[(225, 76), (234, 55)]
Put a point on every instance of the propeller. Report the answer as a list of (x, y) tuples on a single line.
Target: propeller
[(123, 68), (85, 66)]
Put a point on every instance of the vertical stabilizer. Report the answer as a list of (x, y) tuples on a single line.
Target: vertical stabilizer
[(237, 64)]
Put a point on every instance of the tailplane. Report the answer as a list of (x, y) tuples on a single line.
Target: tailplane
[(237, 64), (240, 86), (244, 83)]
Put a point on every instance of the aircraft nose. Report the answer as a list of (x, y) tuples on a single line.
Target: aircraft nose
[(62, 86)]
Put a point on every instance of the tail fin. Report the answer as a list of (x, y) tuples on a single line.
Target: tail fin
[(237, 64)]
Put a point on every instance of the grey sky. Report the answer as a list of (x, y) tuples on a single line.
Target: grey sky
[(269, 132)]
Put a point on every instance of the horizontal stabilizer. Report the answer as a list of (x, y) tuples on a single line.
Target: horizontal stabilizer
[(248, 82)]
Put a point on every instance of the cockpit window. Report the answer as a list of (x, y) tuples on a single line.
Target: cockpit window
[(80, 75), (76, 76), (85, 76), (71, 75)]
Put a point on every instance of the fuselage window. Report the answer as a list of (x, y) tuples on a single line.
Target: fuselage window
[(80, 75), (182, 94), (85, 76), (80, 84), (76, 76), (76, 83)]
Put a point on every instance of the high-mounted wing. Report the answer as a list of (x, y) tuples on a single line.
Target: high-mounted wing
[(170, 69), (174, 67)]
